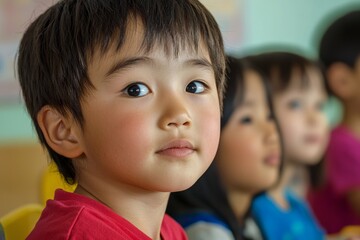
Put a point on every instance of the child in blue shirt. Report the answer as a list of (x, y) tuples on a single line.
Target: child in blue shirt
[(299, 94), (247, 162)]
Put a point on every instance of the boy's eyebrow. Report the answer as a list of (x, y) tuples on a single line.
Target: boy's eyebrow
[(202, 62), (126, 63)]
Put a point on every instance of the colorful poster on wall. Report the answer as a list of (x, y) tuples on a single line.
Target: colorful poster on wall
[(15, 15), (229, 15)]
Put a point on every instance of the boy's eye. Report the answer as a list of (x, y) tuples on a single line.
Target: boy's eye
[(195, 87), (137, 90), (294, 104), (246, 120)]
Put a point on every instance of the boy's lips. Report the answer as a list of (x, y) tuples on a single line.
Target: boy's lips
[(177, 148)]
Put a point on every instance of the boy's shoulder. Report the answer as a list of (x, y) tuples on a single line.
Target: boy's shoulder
[(70, 215)]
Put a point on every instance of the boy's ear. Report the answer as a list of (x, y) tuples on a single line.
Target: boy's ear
[(60, 132), (340, 78)]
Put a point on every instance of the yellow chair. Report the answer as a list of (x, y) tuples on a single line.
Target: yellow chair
[(346, 232), (350, 231), (51, 181), (2, 234), (18, 223)]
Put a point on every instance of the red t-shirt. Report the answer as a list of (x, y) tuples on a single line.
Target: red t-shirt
[(73, 216)]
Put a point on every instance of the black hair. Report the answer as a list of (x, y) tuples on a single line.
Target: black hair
[(340, 41), (58, 46), (234, 94), (280, 66), (208, 193)]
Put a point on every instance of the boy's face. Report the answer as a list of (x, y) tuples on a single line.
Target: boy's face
[(249, 149), (152, 121), (304, 125)]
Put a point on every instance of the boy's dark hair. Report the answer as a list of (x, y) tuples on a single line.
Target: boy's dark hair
[(340, 41), (57, 47), (234, 94)]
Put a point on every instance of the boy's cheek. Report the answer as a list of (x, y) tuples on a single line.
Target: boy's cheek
[(211, 133)]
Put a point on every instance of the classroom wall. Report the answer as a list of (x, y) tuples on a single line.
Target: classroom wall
[(292, 22)]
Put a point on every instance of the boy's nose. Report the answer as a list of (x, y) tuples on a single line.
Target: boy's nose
[(175, 113), (179, 120)]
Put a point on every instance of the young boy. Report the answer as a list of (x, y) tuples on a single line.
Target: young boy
[(125, 95), (337, 203)]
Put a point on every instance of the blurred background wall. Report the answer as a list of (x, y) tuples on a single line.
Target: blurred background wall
[(247, 25)]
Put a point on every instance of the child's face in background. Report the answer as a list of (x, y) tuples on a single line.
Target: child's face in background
[(152, 121), (303, 122), (354, 95), (249, 151)]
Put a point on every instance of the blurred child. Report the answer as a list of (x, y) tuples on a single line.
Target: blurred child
[(337, 203), (247, 162), (299, 95), (126, 99)]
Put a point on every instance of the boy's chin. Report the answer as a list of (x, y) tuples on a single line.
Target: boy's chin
[(183, 187), (180, 184)]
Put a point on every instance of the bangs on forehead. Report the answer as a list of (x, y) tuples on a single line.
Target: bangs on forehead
[(173, 42), (181, 29), (175, 32), (293, 76), (301, 75)]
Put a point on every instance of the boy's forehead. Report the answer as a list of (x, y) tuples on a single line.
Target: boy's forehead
[(132, 48), (136, 44), (104, 63), (131, 44)]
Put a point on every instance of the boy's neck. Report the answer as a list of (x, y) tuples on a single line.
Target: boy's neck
[(143, 210)]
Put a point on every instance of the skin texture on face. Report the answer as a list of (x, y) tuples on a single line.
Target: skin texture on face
[(249, 150), (152, 121), (303, 122)]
